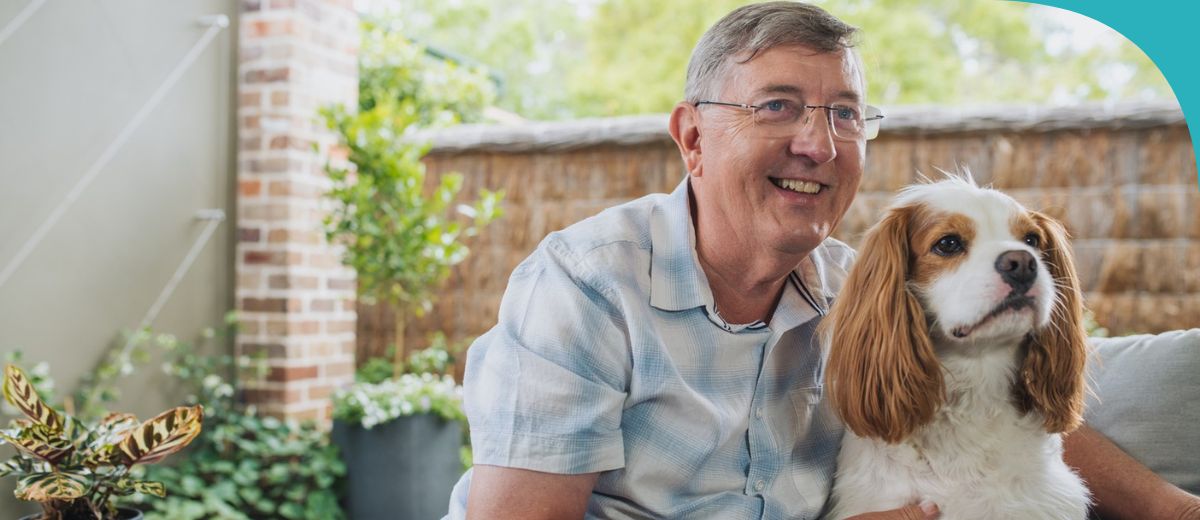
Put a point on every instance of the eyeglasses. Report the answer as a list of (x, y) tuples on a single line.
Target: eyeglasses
[(778, 118)]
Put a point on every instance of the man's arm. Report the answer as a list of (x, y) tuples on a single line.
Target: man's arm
[(1122, 487), (502, 493)]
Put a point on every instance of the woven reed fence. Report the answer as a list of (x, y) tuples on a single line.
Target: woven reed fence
[(1122, 178)]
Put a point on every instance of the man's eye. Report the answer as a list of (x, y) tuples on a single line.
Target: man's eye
[(845, 113), (777, 105), (948, 245)]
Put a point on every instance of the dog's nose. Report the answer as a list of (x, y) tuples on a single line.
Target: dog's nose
[(1018, 269)]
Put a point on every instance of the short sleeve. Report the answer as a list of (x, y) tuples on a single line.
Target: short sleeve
[(545, 388)]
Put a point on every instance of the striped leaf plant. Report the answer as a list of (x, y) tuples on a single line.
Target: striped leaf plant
[(74, 470)]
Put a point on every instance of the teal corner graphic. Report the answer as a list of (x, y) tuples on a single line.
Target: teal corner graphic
[(1166, 31)]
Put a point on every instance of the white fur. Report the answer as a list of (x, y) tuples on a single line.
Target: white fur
[(979, 458)]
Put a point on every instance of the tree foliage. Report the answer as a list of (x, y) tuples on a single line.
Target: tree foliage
[(402, 237), (582, 58)]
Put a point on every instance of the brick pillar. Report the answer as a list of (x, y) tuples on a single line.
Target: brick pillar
[(296, 300)]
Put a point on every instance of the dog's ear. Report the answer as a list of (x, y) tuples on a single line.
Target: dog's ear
[(883, 376), (1051, 381)]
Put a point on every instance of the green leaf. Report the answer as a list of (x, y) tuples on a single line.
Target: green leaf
[(21, 393), (45, 487)]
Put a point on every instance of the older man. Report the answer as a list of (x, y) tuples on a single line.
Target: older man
[(659, 360)]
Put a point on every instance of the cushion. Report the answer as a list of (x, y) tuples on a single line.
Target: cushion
[(1147, 400)]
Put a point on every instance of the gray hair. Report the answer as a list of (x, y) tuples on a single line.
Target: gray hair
[(755, 28)]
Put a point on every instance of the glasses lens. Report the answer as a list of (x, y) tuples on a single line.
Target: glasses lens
[(874, 117), (846, 120)]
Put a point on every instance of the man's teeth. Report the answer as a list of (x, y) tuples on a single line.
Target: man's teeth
[(798, 185)]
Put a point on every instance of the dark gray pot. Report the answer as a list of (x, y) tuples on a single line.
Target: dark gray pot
[(123, 513), (403, 469)]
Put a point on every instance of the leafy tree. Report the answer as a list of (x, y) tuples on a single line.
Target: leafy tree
[(402, 238), (610, 57), (526, 45)]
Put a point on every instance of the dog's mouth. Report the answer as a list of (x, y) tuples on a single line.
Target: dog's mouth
[(1012, 303)]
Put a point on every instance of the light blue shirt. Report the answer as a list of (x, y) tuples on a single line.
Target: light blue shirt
[(610, 356)]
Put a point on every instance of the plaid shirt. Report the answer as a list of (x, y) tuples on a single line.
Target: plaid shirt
[(609, 356)]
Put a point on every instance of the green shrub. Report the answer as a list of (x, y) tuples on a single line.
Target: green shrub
[(252, 467), (244, 466)]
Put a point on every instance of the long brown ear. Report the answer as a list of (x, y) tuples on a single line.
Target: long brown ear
[(883, 376), (1052, 375)]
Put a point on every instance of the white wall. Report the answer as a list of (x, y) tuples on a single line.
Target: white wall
[(71, 79)]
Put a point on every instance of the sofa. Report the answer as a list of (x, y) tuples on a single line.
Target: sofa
[(1145, 396)]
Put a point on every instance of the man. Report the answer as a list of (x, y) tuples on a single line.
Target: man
[(659, 360)]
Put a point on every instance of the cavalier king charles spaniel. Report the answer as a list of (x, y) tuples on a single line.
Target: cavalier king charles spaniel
[(956, 360)]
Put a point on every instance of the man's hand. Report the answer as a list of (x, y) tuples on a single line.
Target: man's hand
[(924, 511), (1189, 509)]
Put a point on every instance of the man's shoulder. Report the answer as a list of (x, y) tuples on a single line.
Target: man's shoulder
[(627, 226)]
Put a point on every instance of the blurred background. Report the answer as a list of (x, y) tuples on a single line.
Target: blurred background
[(165, 163)]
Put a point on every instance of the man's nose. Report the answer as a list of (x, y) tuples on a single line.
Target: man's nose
[(1018, 269), (814, 137)]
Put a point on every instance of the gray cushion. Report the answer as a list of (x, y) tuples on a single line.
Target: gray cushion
[(1147, 400)]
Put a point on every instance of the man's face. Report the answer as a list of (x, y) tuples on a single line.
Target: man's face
[(745, 171)]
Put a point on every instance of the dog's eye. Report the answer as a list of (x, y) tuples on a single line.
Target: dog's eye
[(1032, 240), (948, 245)]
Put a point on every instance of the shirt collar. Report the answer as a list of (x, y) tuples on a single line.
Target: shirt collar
[(676, 281)]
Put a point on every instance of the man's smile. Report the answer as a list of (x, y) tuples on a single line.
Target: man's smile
[(797, 185)]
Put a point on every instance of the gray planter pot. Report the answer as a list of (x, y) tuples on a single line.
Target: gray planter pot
[(403, 469)]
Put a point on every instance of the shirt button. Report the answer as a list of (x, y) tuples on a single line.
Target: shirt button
[(758, 486), (758, 413)]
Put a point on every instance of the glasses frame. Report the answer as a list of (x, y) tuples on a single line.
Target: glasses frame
[(870, 123)]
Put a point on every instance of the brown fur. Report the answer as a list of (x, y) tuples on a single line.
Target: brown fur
[(1052, 376), (883, 377)]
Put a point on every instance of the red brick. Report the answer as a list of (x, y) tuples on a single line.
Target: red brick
[(250, 99), (283, 281), (265, 258), (323, 259), (319, 392), (248, 234), (270, 350), (272, 395), (284, 188), (341, 284), (337, 370), (339, 326), (316, 413), (321, 305), (250, 144), (292, 373), (277, 328), (250, 188), (264, 304), (276, 75)]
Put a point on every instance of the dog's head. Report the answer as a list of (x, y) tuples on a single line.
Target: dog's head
[(954, 267)]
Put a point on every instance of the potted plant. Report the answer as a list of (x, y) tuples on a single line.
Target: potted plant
[(75, 470), (400, 437)]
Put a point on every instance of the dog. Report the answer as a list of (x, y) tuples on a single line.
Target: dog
[(956, 360)]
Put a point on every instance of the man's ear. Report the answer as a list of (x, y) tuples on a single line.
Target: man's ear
[(685, 130)]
